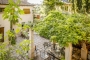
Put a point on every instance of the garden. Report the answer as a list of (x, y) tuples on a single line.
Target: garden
[(64, 29), (69, 34)]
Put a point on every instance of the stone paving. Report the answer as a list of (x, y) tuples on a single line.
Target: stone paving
[(38, 41), (19, 39)]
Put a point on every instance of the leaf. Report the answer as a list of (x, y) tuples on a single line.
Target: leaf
[(12, 11), (17, 30), (0, 36)]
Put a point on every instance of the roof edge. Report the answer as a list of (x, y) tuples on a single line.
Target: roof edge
[(19, 5)]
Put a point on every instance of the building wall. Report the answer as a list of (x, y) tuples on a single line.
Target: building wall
[(6, 25), (25, 18), (66, 8)]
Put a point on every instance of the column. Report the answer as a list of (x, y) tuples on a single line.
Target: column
[(68, 52)]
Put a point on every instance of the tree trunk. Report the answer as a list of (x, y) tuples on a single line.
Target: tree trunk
[(9, 37), (11, 25)]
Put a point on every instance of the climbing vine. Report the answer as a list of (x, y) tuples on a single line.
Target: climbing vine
[(67, 28)]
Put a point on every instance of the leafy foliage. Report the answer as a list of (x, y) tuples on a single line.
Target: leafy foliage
[(12, 37), (47, 26), (81, 5), (4, 52), (53, 38), (17, 52), (50, 5), (12, 11), (0, 36), (66, 28)]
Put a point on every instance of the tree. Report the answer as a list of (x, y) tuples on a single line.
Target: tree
[(87, 2), (72, 28), (80, 5), (49, 5), (12, 12), (46, 28)]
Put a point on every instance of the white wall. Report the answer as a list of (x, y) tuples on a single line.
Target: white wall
[(25, 18), (6, 25)]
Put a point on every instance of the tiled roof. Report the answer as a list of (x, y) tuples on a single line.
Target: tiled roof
[(23, 2)]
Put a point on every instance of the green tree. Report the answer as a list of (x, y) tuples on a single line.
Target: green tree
[(87, 5), (66, 28), (80, 5), (46, 28), (12, 13), (49, 5)]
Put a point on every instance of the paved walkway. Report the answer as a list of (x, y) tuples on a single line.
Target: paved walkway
[(38, 41)]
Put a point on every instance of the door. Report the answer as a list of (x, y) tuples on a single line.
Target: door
[(2, 32)]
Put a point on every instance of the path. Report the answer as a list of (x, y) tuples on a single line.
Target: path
[(38, 41)]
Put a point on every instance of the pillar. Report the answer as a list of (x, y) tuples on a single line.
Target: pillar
[(84, 52), (32, 47), (68, 52)]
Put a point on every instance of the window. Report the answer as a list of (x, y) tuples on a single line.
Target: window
[(38, 16), (66, 8), (1, 34), (26, 11), (1, 9)]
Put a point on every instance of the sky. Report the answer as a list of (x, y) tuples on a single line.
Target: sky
[(35, 1)]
